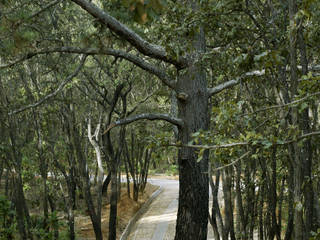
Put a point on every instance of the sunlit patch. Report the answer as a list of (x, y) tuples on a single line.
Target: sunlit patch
[(168, 217)]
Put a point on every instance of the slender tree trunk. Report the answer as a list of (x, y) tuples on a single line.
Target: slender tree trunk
[(106, 183), (1, 171), (290, 220), (260, 211), (55, 224), (299, 229), (214, 192), (241, 220), (128, 177), (18, 201), (113, 203), (306, 152)]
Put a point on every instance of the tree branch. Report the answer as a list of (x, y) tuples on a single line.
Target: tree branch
[(231, 145), (61, 86), (143, 46), (49, 5), (232, 163), (283, 105), (161, 74), (138, 104), (231, 83), (148, 116), (257, 73)]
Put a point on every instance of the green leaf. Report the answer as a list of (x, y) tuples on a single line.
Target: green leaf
[(260, 56)]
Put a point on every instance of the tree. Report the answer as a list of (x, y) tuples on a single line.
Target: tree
[(254, 40)]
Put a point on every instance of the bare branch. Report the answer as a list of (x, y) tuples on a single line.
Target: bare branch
[(301, 137), (148, 116), (94, 142), (231, 145), (207, 147), (232, 163), (143, 46), (138, 104), (161, 74), (61, 86), (284, 105), (49, 5), (231, 83)]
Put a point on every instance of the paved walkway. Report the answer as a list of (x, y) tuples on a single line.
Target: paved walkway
[(158, 223)]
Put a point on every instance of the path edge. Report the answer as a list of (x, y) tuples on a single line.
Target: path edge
[(138, 214)]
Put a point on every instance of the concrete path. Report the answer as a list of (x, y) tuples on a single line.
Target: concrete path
[(158, 223)]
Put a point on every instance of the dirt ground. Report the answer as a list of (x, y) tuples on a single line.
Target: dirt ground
[(126, 210)]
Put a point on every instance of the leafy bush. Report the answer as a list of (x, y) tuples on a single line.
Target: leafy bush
[(315, 235), (7, 218)]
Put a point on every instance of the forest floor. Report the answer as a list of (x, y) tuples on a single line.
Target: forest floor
[(127, 207)]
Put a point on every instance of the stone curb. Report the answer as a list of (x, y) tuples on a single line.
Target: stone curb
[(138, 214)]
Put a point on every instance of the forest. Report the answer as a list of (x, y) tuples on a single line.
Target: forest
[(96, 95)]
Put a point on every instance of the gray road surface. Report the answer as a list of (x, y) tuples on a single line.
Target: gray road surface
[(158, 223)]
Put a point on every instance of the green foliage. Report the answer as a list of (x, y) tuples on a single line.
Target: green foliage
[(38, 226), (145, 10), (315, 235), (7, 218)]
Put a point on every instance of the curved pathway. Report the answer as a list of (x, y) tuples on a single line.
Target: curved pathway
[(158, 223)]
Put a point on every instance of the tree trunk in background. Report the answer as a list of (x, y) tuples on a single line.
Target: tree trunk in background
[(113, 202), (290, 182), (86, 186), (272, 205), (128, 177), (227, 188), (306, 151), (23, 217), (106, 183), (215, 206), (18, 201), (241, 220), (55, 223), (298, 152)]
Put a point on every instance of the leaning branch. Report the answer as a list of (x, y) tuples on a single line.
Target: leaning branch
[(143, 46), (61, 86), (148, 116), (231, 83), (161, 74)]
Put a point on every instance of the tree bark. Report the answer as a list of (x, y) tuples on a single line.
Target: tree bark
[(192, 218), (299, 229), (306, 152)]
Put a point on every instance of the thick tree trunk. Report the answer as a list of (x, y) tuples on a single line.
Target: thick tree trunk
[(192, 218)]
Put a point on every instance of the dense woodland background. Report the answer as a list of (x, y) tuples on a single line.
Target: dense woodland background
[(235, 85)]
